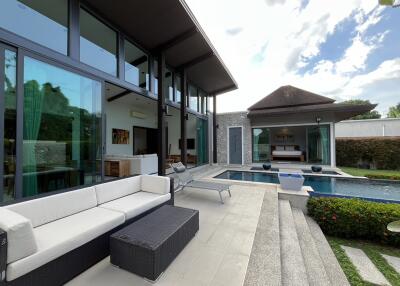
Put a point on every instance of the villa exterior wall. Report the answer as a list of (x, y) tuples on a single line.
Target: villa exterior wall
[(225, 120), (368, 128)]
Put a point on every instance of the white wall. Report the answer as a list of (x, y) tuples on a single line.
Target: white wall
[(118, 116), (368, 128)]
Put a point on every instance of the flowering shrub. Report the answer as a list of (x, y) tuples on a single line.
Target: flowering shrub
[(355, 218)]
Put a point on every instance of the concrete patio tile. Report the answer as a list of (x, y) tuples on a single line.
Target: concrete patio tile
[(105, 274), (183, 262), (218, 253), (222, 237), (393, 261), (205, 265), (207, 230), (231, 271), (242, 243), (365, 267)]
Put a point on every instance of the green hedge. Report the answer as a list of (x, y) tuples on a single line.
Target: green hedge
[(355, 218), (377, 153)]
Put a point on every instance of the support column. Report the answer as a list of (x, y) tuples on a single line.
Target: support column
[(333, 145), (161, 115), (73, 31), (183, 117), (215, 159)]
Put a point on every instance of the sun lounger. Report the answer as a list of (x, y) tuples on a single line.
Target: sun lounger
[(186, 180)]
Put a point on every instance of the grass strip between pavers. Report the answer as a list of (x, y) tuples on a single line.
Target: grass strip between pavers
[(373, 251)]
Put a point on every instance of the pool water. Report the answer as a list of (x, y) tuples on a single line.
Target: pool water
[(331, 186)]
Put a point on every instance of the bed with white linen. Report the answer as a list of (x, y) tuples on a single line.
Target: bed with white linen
[(286, 151)]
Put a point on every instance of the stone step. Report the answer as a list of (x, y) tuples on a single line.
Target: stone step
[(264, 266), (293, 268), (393, 261), (314, 266), (365, 267), (332, 267)]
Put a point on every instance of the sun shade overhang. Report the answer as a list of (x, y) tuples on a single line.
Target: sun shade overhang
[(331, 112), (169, 26)]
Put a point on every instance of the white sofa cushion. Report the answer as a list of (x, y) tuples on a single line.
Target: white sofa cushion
[(149, 155), (116, 189), (44, 210), (155, 184), (21, 241), (136, 204), (59, 237)]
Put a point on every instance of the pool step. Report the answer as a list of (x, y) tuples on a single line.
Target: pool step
[(292, 262), (264, 266), (313, 263)]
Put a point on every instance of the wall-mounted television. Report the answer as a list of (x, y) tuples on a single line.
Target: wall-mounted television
[(190, 144)]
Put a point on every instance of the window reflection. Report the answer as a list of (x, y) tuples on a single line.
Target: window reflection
[(136, 66), (177, 89), (98, 44), (42, 21), (193, 100), (9, 124), (261, 145), (169, 90), (62, 129)]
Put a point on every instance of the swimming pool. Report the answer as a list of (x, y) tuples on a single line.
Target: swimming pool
[(328, 186)]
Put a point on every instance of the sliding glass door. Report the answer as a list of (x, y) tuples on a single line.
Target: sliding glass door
[(318, 140), (202, 150), (8, 76), (61, 130), (261, 145)]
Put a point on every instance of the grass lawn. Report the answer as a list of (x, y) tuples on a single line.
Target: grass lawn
[(373, 251), (395, 174)]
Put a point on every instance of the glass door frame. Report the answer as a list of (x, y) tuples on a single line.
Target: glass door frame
[(3, 48), (21, 54)]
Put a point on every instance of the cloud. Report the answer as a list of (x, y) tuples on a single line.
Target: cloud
[(274, 2), (265, 46), (234, 31)]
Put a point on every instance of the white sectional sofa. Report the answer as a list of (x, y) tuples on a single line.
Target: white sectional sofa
[(49, 240), (140, 164)]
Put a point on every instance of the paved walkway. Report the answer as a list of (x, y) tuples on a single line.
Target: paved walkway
[(365, 267), (219, 253), (393, 261)]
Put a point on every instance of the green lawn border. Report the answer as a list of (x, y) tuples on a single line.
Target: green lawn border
[(366, 172)]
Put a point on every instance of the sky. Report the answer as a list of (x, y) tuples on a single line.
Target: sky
[(344, 49)]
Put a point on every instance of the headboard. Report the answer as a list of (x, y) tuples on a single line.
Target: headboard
[(296, 147)]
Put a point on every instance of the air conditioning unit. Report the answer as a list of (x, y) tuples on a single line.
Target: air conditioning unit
[(137, 114)]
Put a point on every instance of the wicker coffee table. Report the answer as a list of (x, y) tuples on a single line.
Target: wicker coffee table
[(147, 246)]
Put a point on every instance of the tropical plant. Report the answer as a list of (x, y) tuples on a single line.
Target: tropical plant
[(394, 111)]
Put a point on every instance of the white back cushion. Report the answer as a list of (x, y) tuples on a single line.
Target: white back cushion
[(290, 148), (155, 184), (280, 148), (116, 189), (21, 240), (44, 210)]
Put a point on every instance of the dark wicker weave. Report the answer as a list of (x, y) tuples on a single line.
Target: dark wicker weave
[(64, 268), (149, 245)]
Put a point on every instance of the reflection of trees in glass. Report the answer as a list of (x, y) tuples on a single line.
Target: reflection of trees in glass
[(48, 116), (9, 123)]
